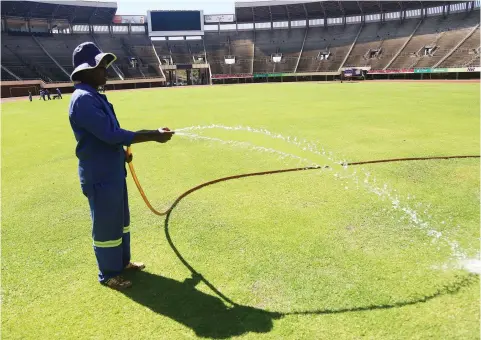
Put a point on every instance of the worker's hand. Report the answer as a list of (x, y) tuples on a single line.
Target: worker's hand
[(128, 156), (164, 135)]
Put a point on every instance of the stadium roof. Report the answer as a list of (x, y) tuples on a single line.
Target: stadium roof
[(281, 10), (77, 12)]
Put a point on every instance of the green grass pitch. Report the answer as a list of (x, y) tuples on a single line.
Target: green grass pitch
[(375, 251)]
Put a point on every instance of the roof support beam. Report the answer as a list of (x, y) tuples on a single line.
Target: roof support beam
[(343, 13), (307, 16), (325, 14), (288, 17), (270, 15), (253, 19), (55, 11), (71, 17), (92, 15), (383, 15), (363, 17)]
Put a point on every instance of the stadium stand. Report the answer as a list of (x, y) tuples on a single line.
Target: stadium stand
[(466, 53), (332, 41), (286, 43), (16, 63), (395, 36), (288, 37), (140, 46), (439, 34), (218, 46)]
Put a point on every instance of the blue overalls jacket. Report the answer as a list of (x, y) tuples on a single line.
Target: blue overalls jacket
[(100, 139)]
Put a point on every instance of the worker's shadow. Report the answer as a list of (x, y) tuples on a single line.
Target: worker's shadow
[(206, 315)]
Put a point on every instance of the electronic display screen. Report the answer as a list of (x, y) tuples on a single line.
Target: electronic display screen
[(175, 23)]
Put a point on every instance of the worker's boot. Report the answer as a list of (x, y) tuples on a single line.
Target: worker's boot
[(118, 283), (135, 266)]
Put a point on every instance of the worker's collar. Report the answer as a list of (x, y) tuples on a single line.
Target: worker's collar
[(86, 87)]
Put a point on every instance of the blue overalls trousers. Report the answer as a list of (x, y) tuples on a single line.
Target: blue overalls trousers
[(109, 209)]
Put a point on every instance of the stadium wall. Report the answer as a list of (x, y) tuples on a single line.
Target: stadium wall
[(409, 73), (21, 88)]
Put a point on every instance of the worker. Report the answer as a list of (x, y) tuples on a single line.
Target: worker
[(101, 167)]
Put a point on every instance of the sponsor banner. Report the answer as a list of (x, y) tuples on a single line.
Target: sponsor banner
[(471, 69), (266, 75), (214, 19), (129, 19), (272, 75), (395, 71), (227, 76), (460, 69), (308, 74), (426, 70), (422, 70)]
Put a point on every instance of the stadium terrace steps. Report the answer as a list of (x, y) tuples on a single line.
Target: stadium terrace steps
[(142, 47), (217, 46), (458, 43), (401, 45), (51, 58), (454, 32), (241, 46), (61, 47), (180, 51), (8, 74), (32, 54), (465, 52), (287, 42), (442, 32), (473, 62), (10, 59), (334, 39), (388, 37)]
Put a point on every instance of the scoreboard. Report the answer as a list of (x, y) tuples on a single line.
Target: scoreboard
[(175, 23)]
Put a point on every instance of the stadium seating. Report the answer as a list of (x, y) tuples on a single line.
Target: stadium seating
[(453, 40), (387, 38), (141, 47), (453, 29), (395, 36), (444, 33), (217, 46), (335, 40), (61, 47), (466, 54), (287, 42), (7, 76), (239, 44), (242, 47), (11, 60), (37, 63), (180, 52)]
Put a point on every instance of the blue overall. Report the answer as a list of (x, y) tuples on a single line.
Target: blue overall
[(102, 173)]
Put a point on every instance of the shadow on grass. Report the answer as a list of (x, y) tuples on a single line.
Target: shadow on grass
[(205, 314), (209, 316)]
